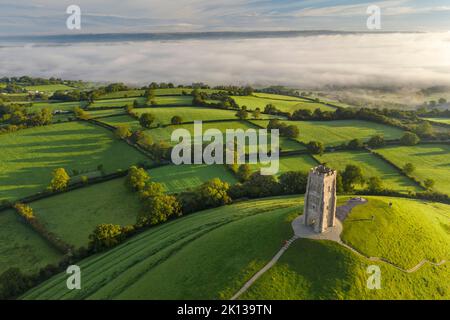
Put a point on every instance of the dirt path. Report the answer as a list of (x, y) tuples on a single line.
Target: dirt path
[(264, 269)]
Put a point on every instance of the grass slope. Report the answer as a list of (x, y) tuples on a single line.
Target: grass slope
[(181, 178), (291, 163), (334, 133), (164, 262), (371, 166), (84, 209), (404, 234), (21, 247), (121, 102), (29, 156), (432, 161)]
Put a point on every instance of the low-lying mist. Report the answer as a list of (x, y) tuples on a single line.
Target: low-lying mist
[(372, 60)]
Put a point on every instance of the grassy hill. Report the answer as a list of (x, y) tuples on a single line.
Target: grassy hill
[(29, 156), (430, 160), (231, 243), (165, 261)]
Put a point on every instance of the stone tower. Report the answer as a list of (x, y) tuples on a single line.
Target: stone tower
[(320, 199)]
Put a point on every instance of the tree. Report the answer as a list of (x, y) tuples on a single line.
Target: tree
[(351, 175), (60, 180), (81, 114), (12, 283), (214, 193), (136, 178), (158, 209), (429, 184), (442, 101), (408, 168), (424, 129), (146, 120), (355, 144), (242, 114), (259, 186), (375, 184), (409, 139), (123, 132), (105, 236), (256, 113), (244, 171), (24, 211), (42, 117), (176, 120), (376, 141), (151, 189), (293, 182), (315, 147), (291, 131)]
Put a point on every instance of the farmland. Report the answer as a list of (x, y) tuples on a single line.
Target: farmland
[(431, 161), (439, 120), (282, 103), (334, 133), (162, 100), (176, 179), (49, 88), (164, 134), (21, 247), (291, 163), (371, 166), (29, 156), (85, 208)]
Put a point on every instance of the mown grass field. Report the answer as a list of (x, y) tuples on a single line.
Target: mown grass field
[(404, 234), (65, 106), (194, 257), (371, 166), (430, 160), (301, 163), (49, 88), (182, 178), (334, 133), (164, 134), (282, 103), (29, 156), (124, 120), (74, 215), (21, 247), (103, 113)]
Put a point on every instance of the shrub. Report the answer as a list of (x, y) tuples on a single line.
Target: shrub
[(158, 209), (105, 236), (409, 139), (293, 182), (60, 180), (24, 211), (136, 178), (176, 120), (122, 132), (315, 147)]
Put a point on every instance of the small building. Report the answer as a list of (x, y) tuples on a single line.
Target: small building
[(320, 199)]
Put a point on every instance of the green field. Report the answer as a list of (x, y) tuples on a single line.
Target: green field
[(164, 262), (103, 113), (85, 208), (49, 88), (21, 247), (182, 178), (334, 133), (29, 156), (439, 120), (282, 103), (405, 234), (371, 166), (121, 102), (164, 134), (301, 163), (124, 120), (430, 160), (188, 114), (65, 106), (158, 92)]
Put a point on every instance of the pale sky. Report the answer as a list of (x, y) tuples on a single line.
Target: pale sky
[(29, 17)]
